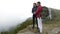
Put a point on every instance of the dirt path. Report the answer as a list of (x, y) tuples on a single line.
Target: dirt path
[(54, 31), (29, 30)]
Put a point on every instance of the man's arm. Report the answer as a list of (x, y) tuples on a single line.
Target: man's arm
[(38, 10)]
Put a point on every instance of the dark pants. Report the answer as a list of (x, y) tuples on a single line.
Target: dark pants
[(35, 20)]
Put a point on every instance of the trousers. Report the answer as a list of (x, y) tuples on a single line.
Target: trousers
[(40, 24), (35, 20)]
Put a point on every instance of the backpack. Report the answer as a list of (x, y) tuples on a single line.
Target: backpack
[(45, 12)]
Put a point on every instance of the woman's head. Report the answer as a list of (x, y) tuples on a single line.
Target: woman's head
[(34, 4)]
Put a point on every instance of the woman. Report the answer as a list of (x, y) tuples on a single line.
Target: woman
[(34, 16)]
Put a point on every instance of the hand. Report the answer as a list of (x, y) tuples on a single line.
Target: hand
[(34, 13)]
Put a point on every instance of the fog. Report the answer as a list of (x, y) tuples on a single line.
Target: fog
[(13, 12)]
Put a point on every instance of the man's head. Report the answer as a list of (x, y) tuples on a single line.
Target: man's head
[(38, 3), (34, 4)]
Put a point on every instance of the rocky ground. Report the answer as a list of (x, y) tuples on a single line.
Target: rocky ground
[(29, 30)]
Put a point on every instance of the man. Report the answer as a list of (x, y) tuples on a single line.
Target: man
[(38, 15), (34, 16)]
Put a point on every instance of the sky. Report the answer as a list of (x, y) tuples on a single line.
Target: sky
[(13, 11)]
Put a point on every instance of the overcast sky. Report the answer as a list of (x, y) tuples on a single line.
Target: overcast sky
[(15, 10)]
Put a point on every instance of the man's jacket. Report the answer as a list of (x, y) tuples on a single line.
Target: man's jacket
[(38, 11)]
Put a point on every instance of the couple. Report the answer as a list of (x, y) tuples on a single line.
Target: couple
[(36, 10)]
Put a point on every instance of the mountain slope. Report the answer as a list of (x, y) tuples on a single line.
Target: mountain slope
[(49, 26)]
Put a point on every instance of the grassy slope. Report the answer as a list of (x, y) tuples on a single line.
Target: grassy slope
[(48, 24)]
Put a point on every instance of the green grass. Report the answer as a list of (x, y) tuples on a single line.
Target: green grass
[(22, 26), (58, 33), (4, 32)]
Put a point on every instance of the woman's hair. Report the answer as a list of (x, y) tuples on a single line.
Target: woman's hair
[(34, 3)]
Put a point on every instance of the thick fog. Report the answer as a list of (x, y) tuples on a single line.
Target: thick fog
[(13, 12)]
